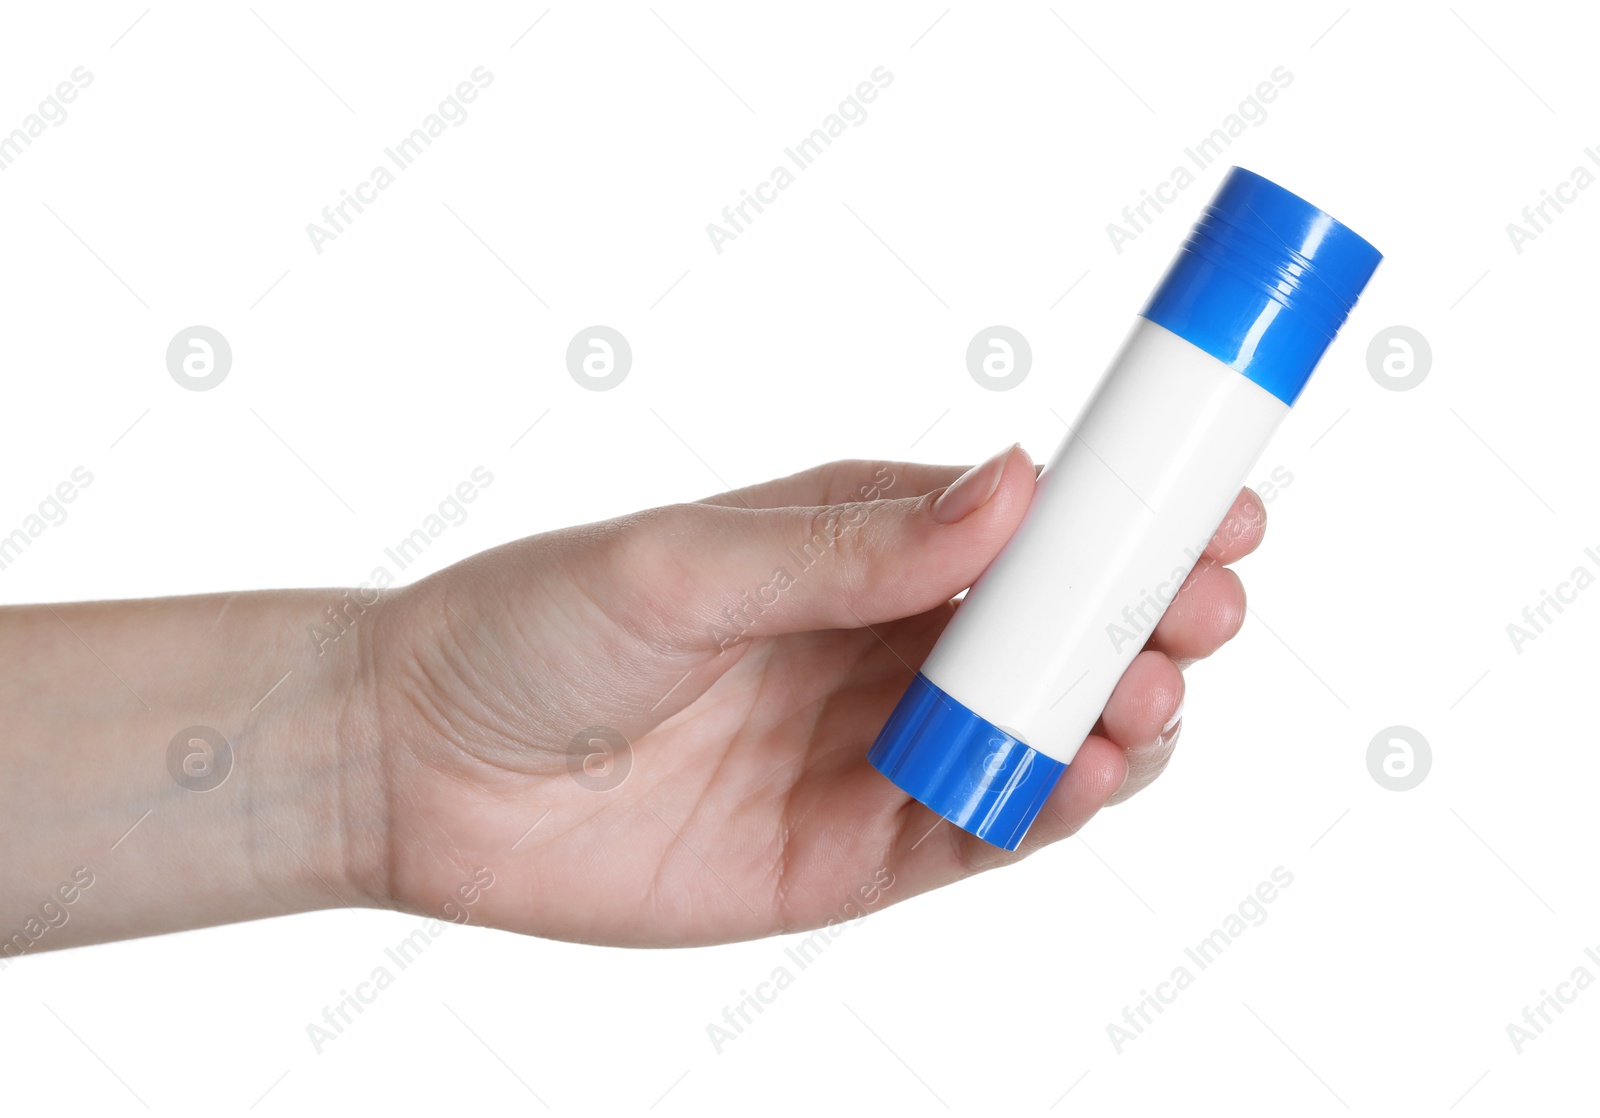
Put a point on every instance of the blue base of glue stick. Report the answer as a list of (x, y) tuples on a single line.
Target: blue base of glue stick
[(978, 776)]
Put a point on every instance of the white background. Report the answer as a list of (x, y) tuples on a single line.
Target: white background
[(1417, 526)]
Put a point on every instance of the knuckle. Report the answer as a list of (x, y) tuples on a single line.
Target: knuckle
[(832, 530), (638, 540), (641, 561)]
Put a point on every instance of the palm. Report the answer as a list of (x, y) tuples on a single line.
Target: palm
[(751, 810)]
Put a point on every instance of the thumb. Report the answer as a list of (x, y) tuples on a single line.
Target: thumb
[(764, 572)]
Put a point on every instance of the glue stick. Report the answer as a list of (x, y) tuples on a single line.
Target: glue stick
[(1124, 508)]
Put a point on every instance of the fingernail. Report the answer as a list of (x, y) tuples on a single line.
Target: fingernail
[(972, 490), (1177, 716)]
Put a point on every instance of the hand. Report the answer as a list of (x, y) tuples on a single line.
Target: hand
[(653, 730)]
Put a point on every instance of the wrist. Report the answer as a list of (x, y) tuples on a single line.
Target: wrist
[(196, 760), (317, 816)]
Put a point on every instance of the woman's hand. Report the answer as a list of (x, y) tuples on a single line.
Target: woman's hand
[(653, 731)]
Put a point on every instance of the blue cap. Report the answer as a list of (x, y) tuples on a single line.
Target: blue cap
[(1263, 283), (978, 776)]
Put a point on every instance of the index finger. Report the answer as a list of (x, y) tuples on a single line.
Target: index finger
[(837, 483)]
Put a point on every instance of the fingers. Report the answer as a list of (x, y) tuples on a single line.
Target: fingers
[(1143, 717), (719, 575), (1210, 606), (1207, 613), (839, 482), (1240, 532)]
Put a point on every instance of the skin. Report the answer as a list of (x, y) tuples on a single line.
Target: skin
[(461, 731)]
